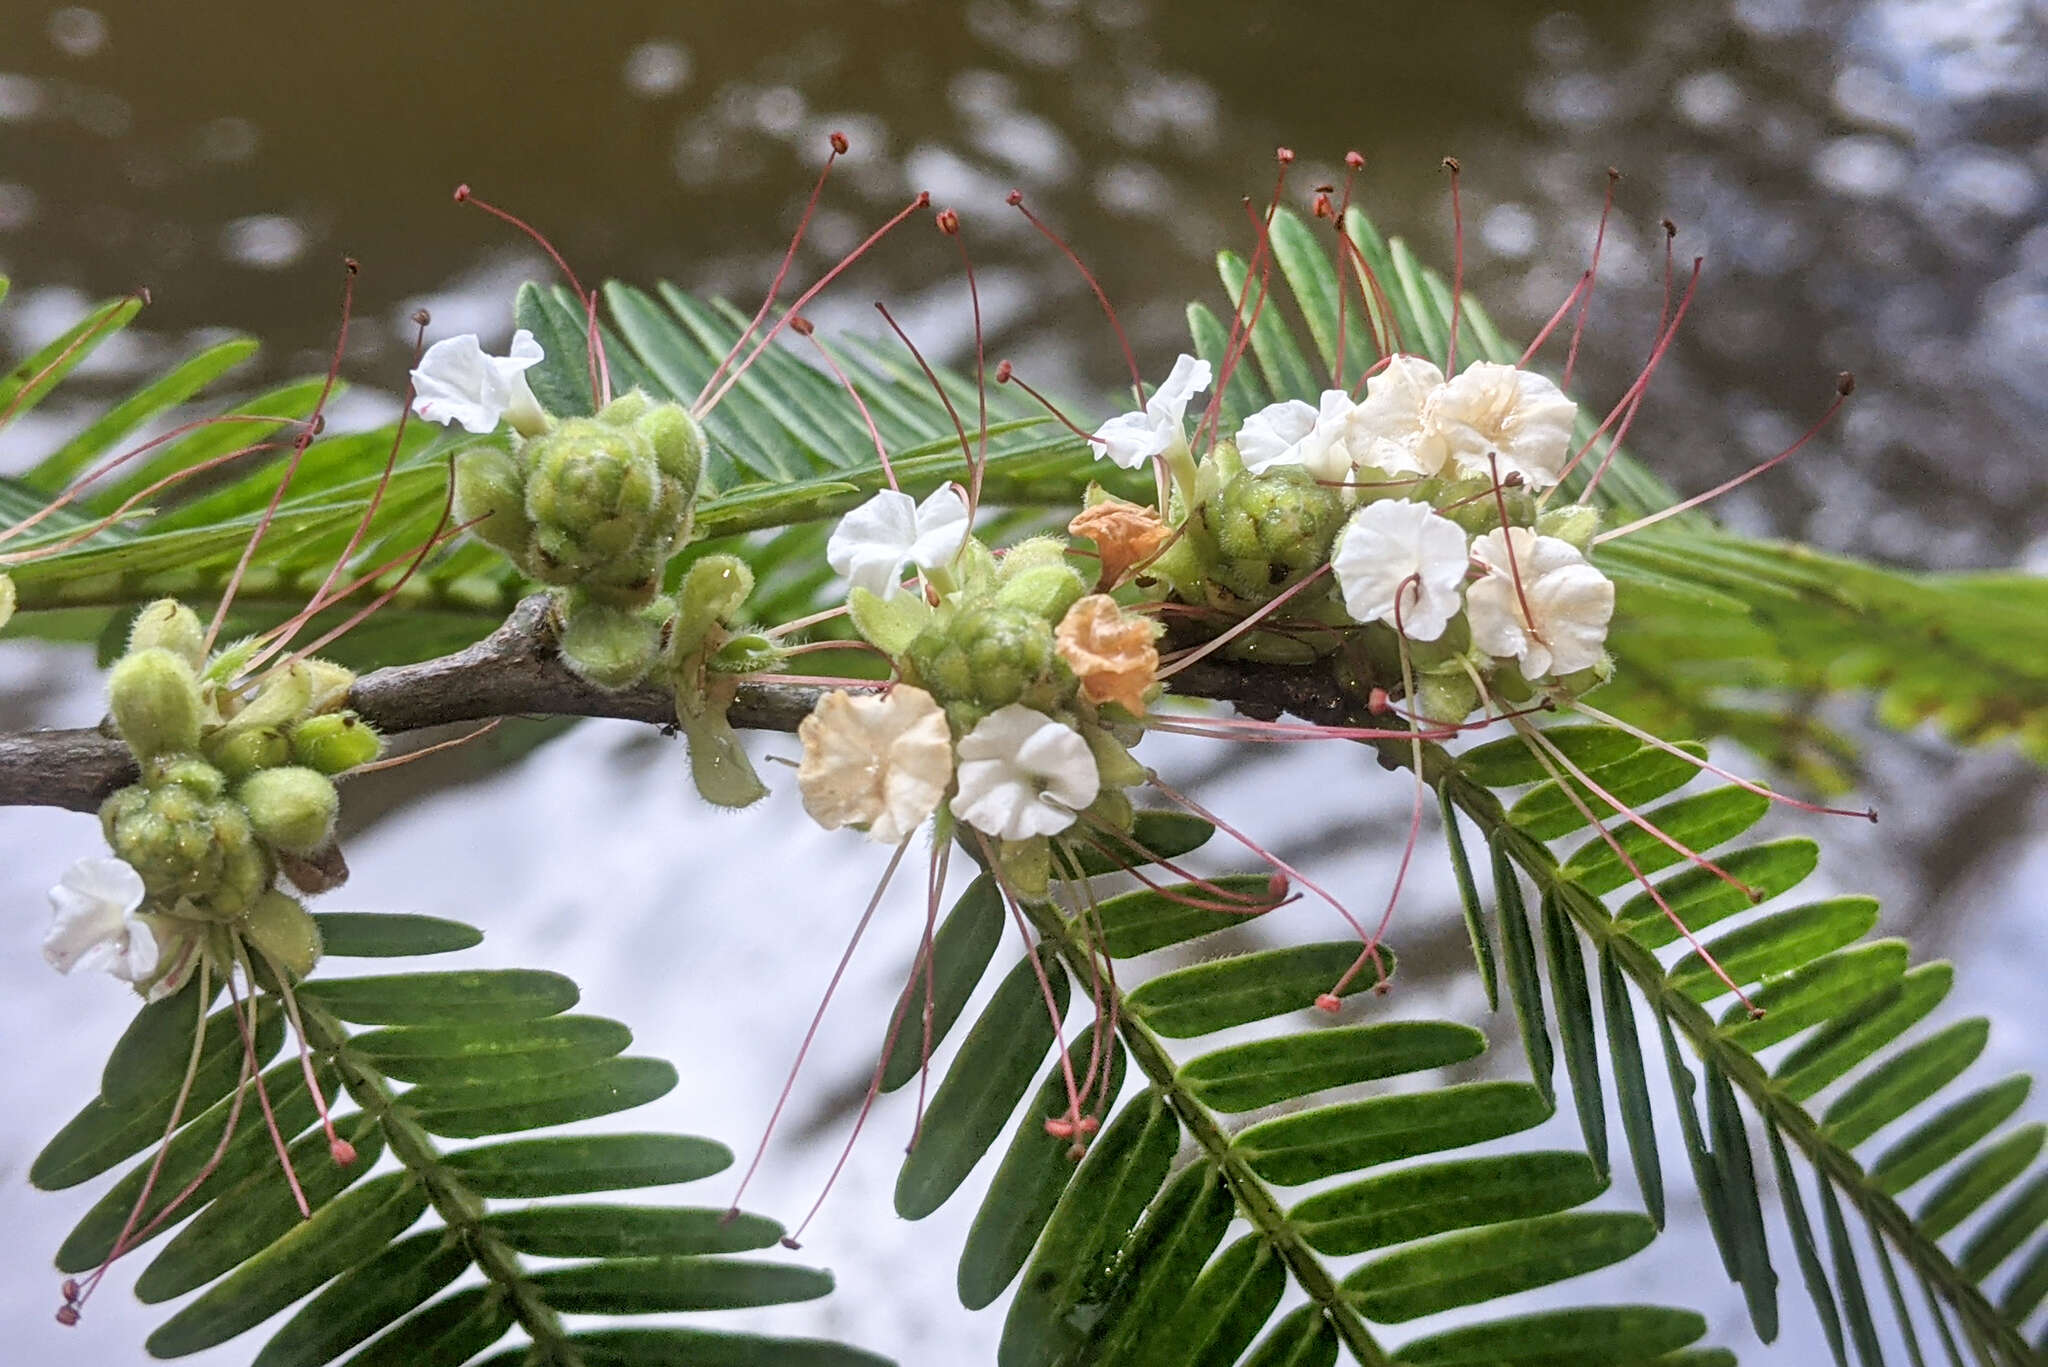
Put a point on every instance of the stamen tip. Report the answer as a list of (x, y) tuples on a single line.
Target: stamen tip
[(1277, 888), (1355, 160), (801, 326), (344, 1152), (67, 1315), (1002, 372), (1059, 1127), (1014, 199), (731, 1213), (351, 265), (1670, 228), (838, 141), (789, 1241), (1870, 815), (1076, 1151), (1284, 155), (1613, 174), (924, 199), (1756, 1013), (462, 193), (1845, 384), (1329, 1002), (422, 317), (1088, 1124), (949, 222), (1451, 164)]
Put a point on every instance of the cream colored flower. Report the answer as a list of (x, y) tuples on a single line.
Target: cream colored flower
[(1501, 414), (1397, 560), (1386, 431), (1125, 534), (1110, 651), (879, 762), (1024, 774), (1569, 603)]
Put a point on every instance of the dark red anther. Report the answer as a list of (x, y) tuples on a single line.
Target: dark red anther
[(802, 326), (461, 193), (1088, 1124), (949, 222), (1059, 1128), (1014, 198), (1845, 385), (1329, 1002), (351, 265), (924, 199), (1324, 209), (838, 141), (789, 1242), (1451, 164), (67, 1315), (422, 317), (1002, 372), (1277, 888), (1670, 228), (1284, 155), (1378, 703)]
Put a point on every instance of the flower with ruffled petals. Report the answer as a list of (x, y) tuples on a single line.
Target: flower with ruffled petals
[(1292, 433), (1387, 431), (1568, 603), (1131, 439), (1125, 534), (1110, 651), (1501, 415), (873, 543), (877, 762), (1023, 774), (94, 924), (458, 382), (1398, 561)]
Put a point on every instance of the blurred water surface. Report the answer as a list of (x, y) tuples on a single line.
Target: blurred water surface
[(1864, 177)]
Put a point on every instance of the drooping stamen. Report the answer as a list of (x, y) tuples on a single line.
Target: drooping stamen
[(277, 1139), (1543, 334), (594, 354), (1015, 200), (931, 378), (707, 401), (801, 326), (1272, 860), (1845, 385), (1635, 870), (57, 362), (1031, 952), (1571, 355), (1223, 901), (338, 1148), (1632, 393), (927, 951), (817, 1019), (838, 145), (1868, 813), (74, 1295), (1691, 856), (1457, 266), (1507, 540), (420, 320), (396, 761), (1259, 272), (284, 483), (1251, 620), (949, 224), (112, 463)]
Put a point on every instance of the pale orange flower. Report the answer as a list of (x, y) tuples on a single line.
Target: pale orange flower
[(1126, 534), (1111, 651)]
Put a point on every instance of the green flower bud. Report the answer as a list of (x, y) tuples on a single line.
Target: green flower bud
[(678, 443), (243, 752), (154, 700), (330, 684), (1446, 698), (613, 647), (1471, 504), (713, 589), (888, 624), (282, 698), (490, 492), (174, 627), (335, 743), (1118, 769), (1576, 523), (605, 511), (991, 655), (1046, 591), (280, 927), (292, 807), (1031, 554), (196, 774), (1271, 529), (188, 848)]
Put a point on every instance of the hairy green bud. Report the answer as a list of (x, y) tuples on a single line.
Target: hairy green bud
[(330, 683), (187, 772), (490, 496), (1473, 505), (188, 847), (677, 440), (335, 742), (1271, 529), (713, 589), (283, 931), (1031, 554), (169, 624), (1574, 523), (153, 698), (292, 807), (991, 655), (888, 624), (613, 647), (1045, 590), (248, 749)]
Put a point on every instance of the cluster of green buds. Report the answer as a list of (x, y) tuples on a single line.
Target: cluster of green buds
[(236, 786), (595, 507)]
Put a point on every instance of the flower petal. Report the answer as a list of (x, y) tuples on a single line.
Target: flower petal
[(1130, 439), (1272, 436), (873, 543), (942, 525)]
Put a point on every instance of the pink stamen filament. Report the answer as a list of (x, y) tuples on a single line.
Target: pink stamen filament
[(852, 392), (1457, 266), (341, 1150), (1007, 374), (390, 462), (1031, 952), (959, 428), (594, 355), (1016, 201), (817, 1019), (705, 404), (1265, 610), (1843, 389), (284, 1156), (90, 530), (1542, 336), (1592, 276), (396, 761), (1606, 719), (1642, 382), (99, 325), (949, 223), (1272, 860)]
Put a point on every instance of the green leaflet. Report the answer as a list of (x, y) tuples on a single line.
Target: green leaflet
[(995, 1064), (1632, 1084), (644, 1286), (464, 997), (1552, 812), (471, 1109), (1510, 763), (1700, 897), (1248, 987), (1161, 835), (1228, 1306), (609, 1231), (1135, 923), (1431, 1198), (365, 1300), (1468, 899), (1162, 1262), (1777, 944), (1700, 822), (1605, 1334), (1903, 1081), (702, 1348), (1947, 1134), (1302, 1339), (577, 1164), (1855, 1035), (1499, 1260), (1247, 1076), (1343, 1138), (489, 1053), (390, 935), (1817, 992), (1575, 1027), (445, 1334), (961, 949)]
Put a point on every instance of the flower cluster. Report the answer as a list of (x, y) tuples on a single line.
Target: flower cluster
[(236, 788)]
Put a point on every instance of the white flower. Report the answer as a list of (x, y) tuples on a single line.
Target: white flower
[(456, 381), (873, 543), (1569, 603), (1292, 433), (1398, 550), (1131, 439), (1502, 413), (1387, 431), (1023, 774), (94, 924), (882, 762)]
